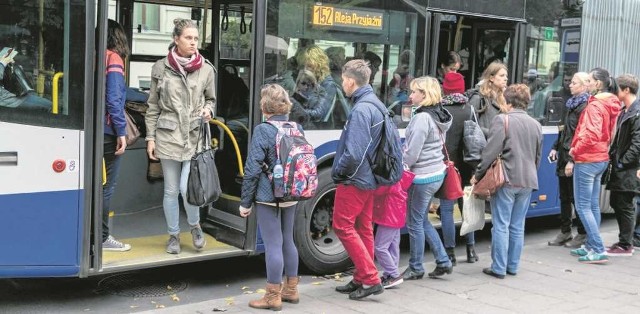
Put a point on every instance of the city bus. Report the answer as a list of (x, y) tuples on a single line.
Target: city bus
[(51, 165)]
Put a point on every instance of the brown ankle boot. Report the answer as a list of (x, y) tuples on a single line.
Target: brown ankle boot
[(271, 299), (290, 290)]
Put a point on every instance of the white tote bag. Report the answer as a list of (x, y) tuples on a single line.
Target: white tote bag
[(472, 212)]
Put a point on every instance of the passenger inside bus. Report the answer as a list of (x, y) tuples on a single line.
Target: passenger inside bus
[(336, 60), (15, 90), (399, 84)]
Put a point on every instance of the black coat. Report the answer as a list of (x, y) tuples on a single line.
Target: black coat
[(563, 143), (457, 106), (624, 153)]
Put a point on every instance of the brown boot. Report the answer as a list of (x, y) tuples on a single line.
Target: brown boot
[(290, 290), (271, 299)]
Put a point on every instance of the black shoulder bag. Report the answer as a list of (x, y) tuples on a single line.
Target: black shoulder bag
[(203, 186)]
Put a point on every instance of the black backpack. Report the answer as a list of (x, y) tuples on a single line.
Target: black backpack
[(387, 163)]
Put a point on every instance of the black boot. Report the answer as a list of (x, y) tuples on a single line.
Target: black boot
[(472, 257), (440, 271), (452, 255)]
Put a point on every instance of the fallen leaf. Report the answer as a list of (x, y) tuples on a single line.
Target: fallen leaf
[(169, 288), (153, 302), (133, 306), (229, 300), (217, 309), (339, 280), (175, 298), (317, 283), (247, 292), (244, 288), (568, 271), (314, 277), (261, 291), (159, 306)]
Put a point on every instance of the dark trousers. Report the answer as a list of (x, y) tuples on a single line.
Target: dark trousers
[(276, 230), (566, 210), (624, 208), (112, 163)]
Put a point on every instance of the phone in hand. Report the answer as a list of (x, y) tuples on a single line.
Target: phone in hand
[(552, 160)]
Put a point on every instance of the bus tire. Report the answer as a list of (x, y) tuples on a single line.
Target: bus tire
[(319, 248)]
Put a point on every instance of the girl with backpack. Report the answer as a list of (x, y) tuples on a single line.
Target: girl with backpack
[(275, 219)]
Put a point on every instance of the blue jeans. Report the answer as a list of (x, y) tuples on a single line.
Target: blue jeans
[(449, 226), (112, 165), (586, 191), (420, 227), (636, 231), (176, 174), (508, 212)]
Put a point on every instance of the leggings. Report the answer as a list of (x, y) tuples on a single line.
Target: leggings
[(276, 229)]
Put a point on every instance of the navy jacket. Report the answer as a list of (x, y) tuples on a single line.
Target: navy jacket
[(256, 186), (358, 141)]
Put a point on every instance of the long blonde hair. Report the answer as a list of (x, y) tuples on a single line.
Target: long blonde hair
[(316, 60), (430, 87), (487, 88)]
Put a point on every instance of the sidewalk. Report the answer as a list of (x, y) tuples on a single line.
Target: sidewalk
[(549, 281)]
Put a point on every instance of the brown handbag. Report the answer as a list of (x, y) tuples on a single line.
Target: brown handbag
[(132, 130), (494, 178)]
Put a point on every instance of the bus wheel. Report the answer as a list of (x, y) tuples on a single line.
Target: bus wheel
[(318, 246)]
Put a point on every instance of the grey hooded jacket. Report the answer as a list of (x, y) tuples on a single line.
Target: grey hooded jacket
[(424, 141)]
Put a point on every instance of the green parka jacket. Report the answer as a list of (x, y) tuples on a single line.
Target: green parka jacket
[(175, 103)]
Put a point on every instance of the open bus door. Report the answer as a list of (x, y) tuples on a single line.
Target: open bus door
[(43, 138), (137, 202)]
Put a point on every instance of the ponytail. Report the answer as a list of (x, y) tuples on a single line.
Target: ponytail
[(608, 84)]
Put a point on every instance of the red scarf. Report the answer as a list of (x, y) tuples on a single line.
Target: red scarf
[(184, 65)]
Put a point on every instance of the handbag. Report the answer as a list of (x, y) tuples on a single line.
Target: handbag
[(473, 139), (451, 188), (133, 133), (203, 185), (472, 212), (494, 178)]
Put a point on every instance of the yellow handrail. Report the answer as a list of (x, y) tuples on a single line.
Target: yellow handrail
[(54, 92), (233, 140), (104, 172)]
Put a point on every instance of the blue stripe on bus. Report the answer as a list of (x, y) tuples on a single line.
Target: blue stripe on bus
[(45, 234)]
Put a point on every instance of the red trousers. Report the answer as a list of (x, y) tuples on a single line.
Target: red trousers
[(352, 222)]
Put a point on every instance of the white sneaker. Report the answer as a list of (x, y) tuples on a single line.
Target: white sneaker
[(111, 244)]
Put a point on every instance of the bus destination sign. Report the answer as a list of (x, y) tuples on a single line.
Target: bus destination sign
[(346, 18)]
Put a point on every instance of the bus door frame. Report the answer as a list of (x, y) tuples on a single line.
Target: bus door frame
[(94, 111)]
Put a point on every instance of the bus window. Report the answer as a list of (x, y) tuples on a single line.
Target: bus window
[(35, 58), (305, 52)]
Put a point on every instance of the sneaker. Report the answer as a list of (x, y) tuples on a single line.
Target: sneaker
[(618, 250), (389, 281), (173, 245), (111, 244), (410, 274), (594, 258), (577, 241), (582, 251), (198, 238), (440, 271), (560, 239)]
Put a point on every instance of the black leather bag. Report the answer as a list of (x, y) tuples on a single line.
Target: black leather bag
[(203, 186)]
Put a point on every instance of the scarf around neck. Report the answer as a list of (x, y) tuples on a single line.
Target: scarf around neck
[(577, 100), (184, 65)]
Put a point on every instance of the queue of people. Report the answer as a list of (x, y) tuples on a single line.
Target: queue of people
[(600, 138)]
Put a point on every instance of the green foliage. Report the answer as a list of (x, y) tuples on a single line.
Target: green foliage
[(232, 36), (543, 12)]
